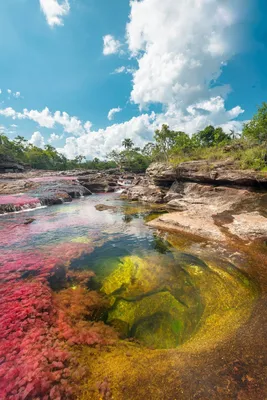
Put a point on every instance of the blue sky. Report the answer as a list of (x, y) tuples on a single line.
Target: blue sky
[(84, 74)]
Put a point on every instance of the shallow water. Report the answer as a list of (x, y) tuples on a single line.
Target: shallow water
[(151, 290)]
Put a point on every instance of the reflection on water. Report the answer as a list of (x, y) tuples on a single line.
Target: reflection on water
[(145, 287)]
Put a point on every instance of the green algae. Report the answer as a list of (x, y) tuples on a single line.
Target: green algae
[(156, 320)]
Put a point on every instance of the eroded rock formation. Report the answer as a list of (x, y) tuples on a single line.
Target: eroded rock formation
[(206, 199)]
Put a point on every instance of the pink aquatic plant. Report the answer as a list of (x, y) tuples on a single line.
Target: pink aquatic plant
[(33, 362), (41, 264), (37, 333), (19, 201)]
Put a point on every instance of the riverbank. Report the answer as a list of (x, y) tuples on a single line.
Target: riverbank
[(206, 200)]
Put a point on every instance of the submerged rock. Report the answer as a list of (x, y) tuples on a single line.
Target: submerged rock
[(157, 320), (104, 207), (153, 299)]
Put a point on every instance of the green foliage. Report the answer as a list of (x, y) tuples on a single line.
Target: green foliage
[(209, 137), (249, 150), (256, 129), (131, 159)]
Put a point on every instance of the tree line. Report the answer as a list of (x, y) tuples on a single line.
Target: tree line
[(249, 148)]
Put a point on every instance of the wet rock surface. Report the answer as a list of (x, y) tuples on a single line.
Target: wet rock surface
[(55, 187)]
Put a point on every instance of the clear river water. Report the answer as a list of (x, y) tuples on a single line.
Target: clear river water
[(122, 307)]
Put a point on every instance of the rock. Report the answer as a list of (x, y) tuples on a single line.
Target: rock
[(8, 164), (29, 221), (149, 194), (40, 192), (157, 320), (100, 182), (219, 173), (58, 191), (199, 225), (162, 174), (248, 226), (104, 207)]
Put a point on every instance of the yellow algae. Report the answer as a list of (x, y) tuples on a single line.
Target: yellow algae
[(156, 320), (81, 239), (228, 296)]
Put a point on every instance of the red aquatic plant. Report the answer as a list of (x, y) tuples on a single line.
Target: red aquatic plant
[(19, 200), (77, 306), (33, 362), (40, 264), (37, 332)]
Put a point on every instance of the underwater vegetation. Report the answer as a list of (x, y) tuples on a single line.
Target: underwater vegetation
[(82, 292)]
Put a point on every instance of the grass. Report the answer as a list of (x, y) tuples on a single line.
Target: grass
[(242, 154)]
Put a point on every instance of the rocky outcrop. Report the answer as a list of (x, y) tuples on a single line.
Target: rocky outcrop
[(39, 193), (207, 200), (202, 171), (8, 164)]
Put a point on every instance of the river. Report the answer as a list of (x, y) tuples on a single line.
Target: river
[(95, 304)]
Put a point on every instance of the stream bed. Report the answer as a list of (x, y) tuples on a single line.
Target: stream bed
[(97, 305)]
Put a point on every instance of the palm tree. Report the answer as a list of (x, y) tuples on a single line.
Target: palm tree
[(3, 139), (127, 143)]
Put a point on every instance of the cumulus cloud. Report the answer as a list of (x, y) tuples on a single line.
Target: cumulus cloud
[(37, 140), (47, 119), (112, 113), (9, 91), (110, 45), (54, 11), (180, 48), (99, 143), (54, 137), (141, 129), (11, 113)]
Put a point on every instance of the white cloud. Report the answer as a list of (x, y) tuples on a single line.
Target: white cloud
[(14, 126), (235, 112), (111, 45), (46, 119), (37, 140), (17, 95), (112, 112), (54, 137), (87, 126), (120, 70), (99, 143), (54, 11), (141, 129), (10, 113), (124, 70), (180, 48), (0, 91)]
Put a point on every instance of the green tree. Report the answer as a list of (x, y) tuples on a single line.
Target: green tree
[(127, 144), (256, 129), (165, 141)]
